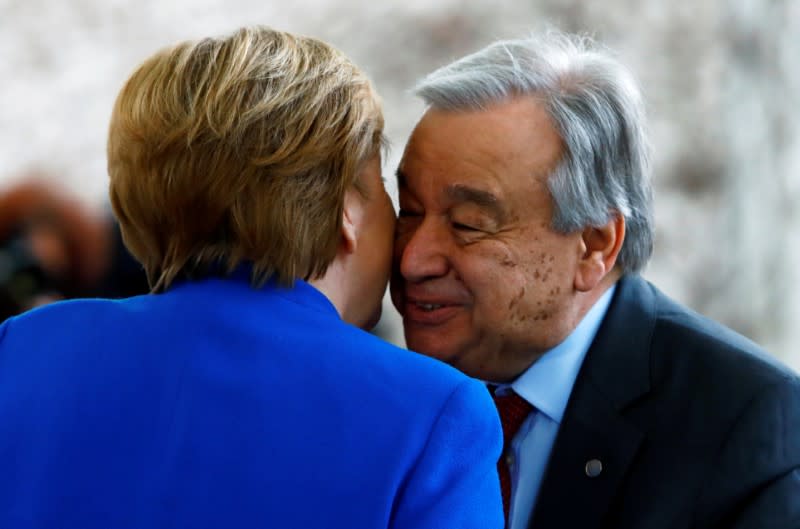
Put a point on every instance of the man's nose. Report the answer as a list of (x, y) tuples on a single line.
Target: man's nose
[(423, 254)]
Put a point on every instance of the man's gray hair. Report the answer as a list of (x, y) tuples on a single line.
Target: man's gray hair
[(598, 111)]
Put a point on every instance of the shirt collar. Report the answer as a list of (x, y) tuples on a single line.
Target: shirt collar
[(548, 383)]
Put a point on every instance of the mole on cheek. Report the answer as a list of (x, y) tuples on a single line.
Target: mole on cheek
[(520, 317), (542, 315)]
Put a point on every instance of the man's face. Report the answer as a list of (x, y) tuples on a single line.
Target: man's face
[(481, 280)]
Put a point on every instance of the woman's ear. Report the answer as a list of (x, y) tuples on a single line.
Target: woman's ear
[(600, 248), (351, 220)]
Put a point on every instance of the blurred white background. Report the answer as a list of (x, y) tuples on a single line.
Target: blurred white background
[(721, 79)]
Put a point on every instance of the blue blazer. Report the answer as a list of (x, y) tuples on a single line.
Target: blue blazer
[(216, 405)]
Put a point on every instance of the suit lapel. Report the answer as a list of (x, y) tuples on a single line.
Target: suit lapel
[(615, 373), (569, 497)]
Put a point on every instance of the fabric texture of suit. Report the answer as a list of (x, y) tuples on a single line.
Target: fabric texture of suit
[(694, 425), (217, 405)]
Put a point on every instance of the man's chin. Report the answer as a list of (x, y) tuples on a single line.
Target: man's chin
[(430, 346), (456, 355)]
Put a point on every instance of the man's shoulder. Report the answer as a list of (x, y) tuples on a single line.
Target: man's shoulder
[(655, 351), (686, 361), (740, 403), (689, 340), (678, 336)]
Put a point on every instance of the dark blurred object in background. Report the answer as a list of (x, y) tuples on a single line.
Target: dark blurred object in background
[(52, 248), (23, 283)]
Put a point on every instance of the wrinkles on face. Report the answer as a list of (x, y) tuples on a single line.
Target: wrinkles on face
[(516, 270)]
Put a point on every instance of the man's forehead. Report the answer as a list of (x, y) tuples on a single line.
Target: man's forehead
[(479, 193), (460, 192), (475, 189)]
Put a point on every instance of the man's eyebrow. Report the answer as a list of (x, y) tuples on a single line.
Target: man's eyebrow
[(479, 197)]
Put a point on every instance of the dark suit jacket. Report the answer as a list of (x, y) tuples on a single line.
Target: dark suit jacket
[(216, 405), (695, 427)]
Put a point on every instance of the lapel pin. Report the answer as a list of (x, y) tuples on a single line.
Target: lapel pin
[(593, 468)]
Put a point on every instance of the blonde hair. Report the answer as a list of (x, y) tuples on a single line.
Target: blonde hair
[(240, 149)]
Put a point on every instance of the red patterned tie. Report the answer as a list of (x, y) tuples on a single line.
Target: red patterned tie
[(513, 410)]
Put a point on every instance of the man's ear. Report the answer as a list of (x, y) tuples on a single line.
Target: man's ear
[(600, 247), (351, 219)]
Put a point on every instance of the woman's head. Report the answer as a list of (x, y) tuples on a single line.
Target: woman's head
[(240, 149)]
